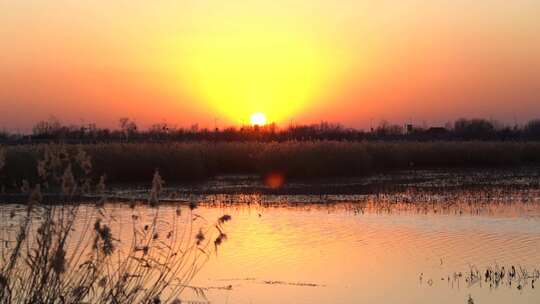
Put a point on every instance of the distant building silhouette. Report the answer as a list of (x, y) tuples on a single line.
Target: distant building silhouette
[(409, 128)]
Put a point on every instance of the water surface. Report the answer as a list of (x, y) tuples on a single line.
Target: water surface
[(410, 247), (334, 255)]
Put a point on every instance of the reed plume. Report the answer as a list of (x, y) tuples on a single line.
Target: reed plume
[(66, 252)]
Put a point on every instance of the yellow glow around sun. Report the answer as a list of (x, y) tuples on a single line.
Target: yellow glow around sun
[(258, 119), (240, 71)]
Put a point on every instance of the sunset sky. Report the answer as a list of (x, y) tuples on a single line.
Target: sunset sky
[(347, 61)]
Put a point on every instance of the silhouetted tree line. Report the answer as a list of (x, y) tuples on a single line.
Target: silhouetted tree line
[(128, 131)]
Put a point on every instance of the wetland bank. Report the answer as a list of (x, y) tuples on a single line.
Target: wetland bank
[(407, 235)]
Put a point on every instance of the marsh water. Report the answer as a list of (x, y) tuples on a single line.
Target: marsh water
[(335, 254), (413, 246)]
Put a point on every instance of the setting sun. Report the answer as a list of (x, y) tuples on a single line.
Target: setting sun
[(258, 119)]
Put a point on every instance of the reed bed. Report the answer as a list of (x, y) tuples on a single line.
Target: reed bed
[(190, 161), (72, 253)]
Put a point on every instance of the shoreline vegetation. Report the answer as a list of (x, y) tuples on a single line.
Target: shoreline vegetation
[(199, 161), (67, 253), (128, 130)]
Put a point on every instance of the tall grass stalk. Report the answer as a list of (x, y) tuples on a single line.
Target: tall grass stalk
[(70, 253)]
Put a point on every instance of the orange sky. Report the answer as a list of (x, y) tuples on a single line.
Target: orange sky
[(192, 61)]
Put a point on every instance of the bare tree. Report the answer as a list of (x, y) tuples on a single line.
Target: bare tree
[(128, 127)]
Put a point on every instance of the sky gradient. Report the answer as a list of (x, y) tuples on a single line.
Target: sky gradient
[(304, 61)]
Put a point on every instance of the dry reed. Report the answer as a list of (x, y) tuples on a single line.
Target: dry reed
[(70, 253), (137, 162)]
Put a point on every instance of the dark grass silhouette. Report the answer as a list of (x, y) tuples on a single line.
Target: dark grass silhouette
[(191, 161), (128, 131), (70, 253)]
